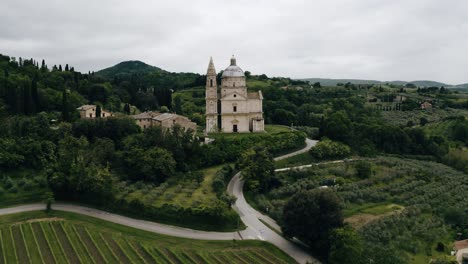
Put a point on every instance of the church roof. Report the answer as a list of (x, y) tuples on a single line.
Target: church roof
[(233, 70), (255, 95), (211, 68)]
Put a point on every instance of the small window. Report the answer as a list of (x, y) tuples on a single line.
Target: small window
[(234, 108), (90, 115), (235, 95), (211, 82), (144, 126)]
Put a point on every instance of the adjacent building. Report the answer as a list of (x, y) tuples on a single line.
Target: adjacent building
[(89, 111), (165, 120), (231, 108)]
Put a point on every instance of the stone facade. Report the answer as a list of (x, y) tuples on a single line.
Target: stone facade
[(165, 120), (231, 104), (89, 111)]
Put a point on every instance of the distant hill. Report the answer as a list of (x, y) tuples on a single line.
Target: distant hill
[(425, 83), (128, 67)]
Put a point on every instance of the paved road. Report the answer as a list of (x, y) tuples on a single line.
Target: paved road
[(127, 221), (309, 144), (255, 228), (314, 164)]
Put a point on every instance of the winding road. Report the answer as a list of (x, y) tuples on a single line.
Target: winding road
[(255, 228)]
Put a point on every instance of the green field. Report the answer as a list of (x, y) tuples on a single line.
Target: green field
[(62, 237), (298, 160)]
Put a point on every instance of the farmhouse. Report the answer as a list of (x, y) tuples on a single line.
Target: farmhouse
[(89, 111), (231, 108), (165, 120)]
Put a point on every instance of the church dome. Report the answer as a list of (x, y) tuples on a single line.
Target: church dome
[(233, 70)]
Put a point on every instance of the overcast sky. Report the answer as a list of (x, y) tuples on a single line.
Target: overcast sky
[(365, 39)]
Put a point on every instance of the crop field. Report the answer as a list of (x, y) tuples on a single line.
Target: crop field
[(60, 237)]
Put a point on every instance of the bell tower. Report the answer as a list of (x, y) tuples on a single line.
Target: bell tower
[(211, 98)]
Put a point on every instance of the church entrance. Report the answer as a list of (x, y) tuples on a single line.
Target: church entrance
[(234, 128)]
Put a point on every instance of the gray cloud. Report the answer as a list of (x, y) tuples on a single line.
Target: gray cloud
[(371, 39)]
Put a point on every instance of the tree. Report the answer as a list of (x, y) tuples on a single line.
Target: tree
[(257, 167), (327, 149), (363, 169), (65, 106), (154, 165), (423, 121), (35, 96), (346, 246), (43, 66), (317, 85), (49, 200), (311, 216), (178, 104), (127, 108), (98, 111)]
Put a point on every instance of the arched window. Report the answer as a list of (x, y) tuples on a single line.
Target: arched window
[(211, 83), (234, 108)]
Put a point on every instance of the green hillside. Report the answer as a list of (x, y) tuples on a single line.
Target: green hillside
[(422, 83), (128, 67)]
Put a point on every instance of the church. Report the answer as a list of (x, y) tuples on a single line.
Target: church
[(230, 108)]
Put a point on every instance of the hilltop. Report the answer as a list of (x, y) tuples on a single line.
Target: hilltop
[(128, 67), (420, 83)]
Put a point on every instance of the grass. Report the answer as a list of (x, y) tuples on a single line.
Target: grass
[(185, 192), (373, 209), (298, 160), (89, 240)]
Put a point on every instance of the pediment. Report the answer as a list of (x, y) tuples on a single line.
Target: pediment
[(234, 96)]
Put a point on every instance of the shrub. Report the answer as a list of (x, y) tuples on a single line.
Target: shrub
[(21, 182), (13, 189), (363, 169), (327, 149), (8, 182), (28, 185)]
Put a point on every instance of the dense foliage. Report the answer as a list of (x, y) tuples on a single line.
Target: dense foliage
[(311, 216), (257, 168)]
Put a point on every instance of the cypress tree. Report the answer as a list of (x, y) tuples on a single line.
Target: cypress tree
[(43, 65), (65, 108), (27, 99), (60, 67), (66, 67), (98, 111), (127, 108), (35, 95)]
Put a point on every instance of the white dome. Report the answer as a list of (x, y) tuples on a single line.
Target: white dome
[(233, 70)]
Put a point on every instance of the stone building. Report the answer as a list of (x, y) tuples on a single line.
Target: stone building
[(89, 111), (231, 108), (165, 120)]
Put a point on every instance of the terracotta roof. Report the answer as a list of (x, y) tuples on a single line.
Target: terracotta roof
[(146, 115), (461, 244), (85, 107), (166, 116)]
